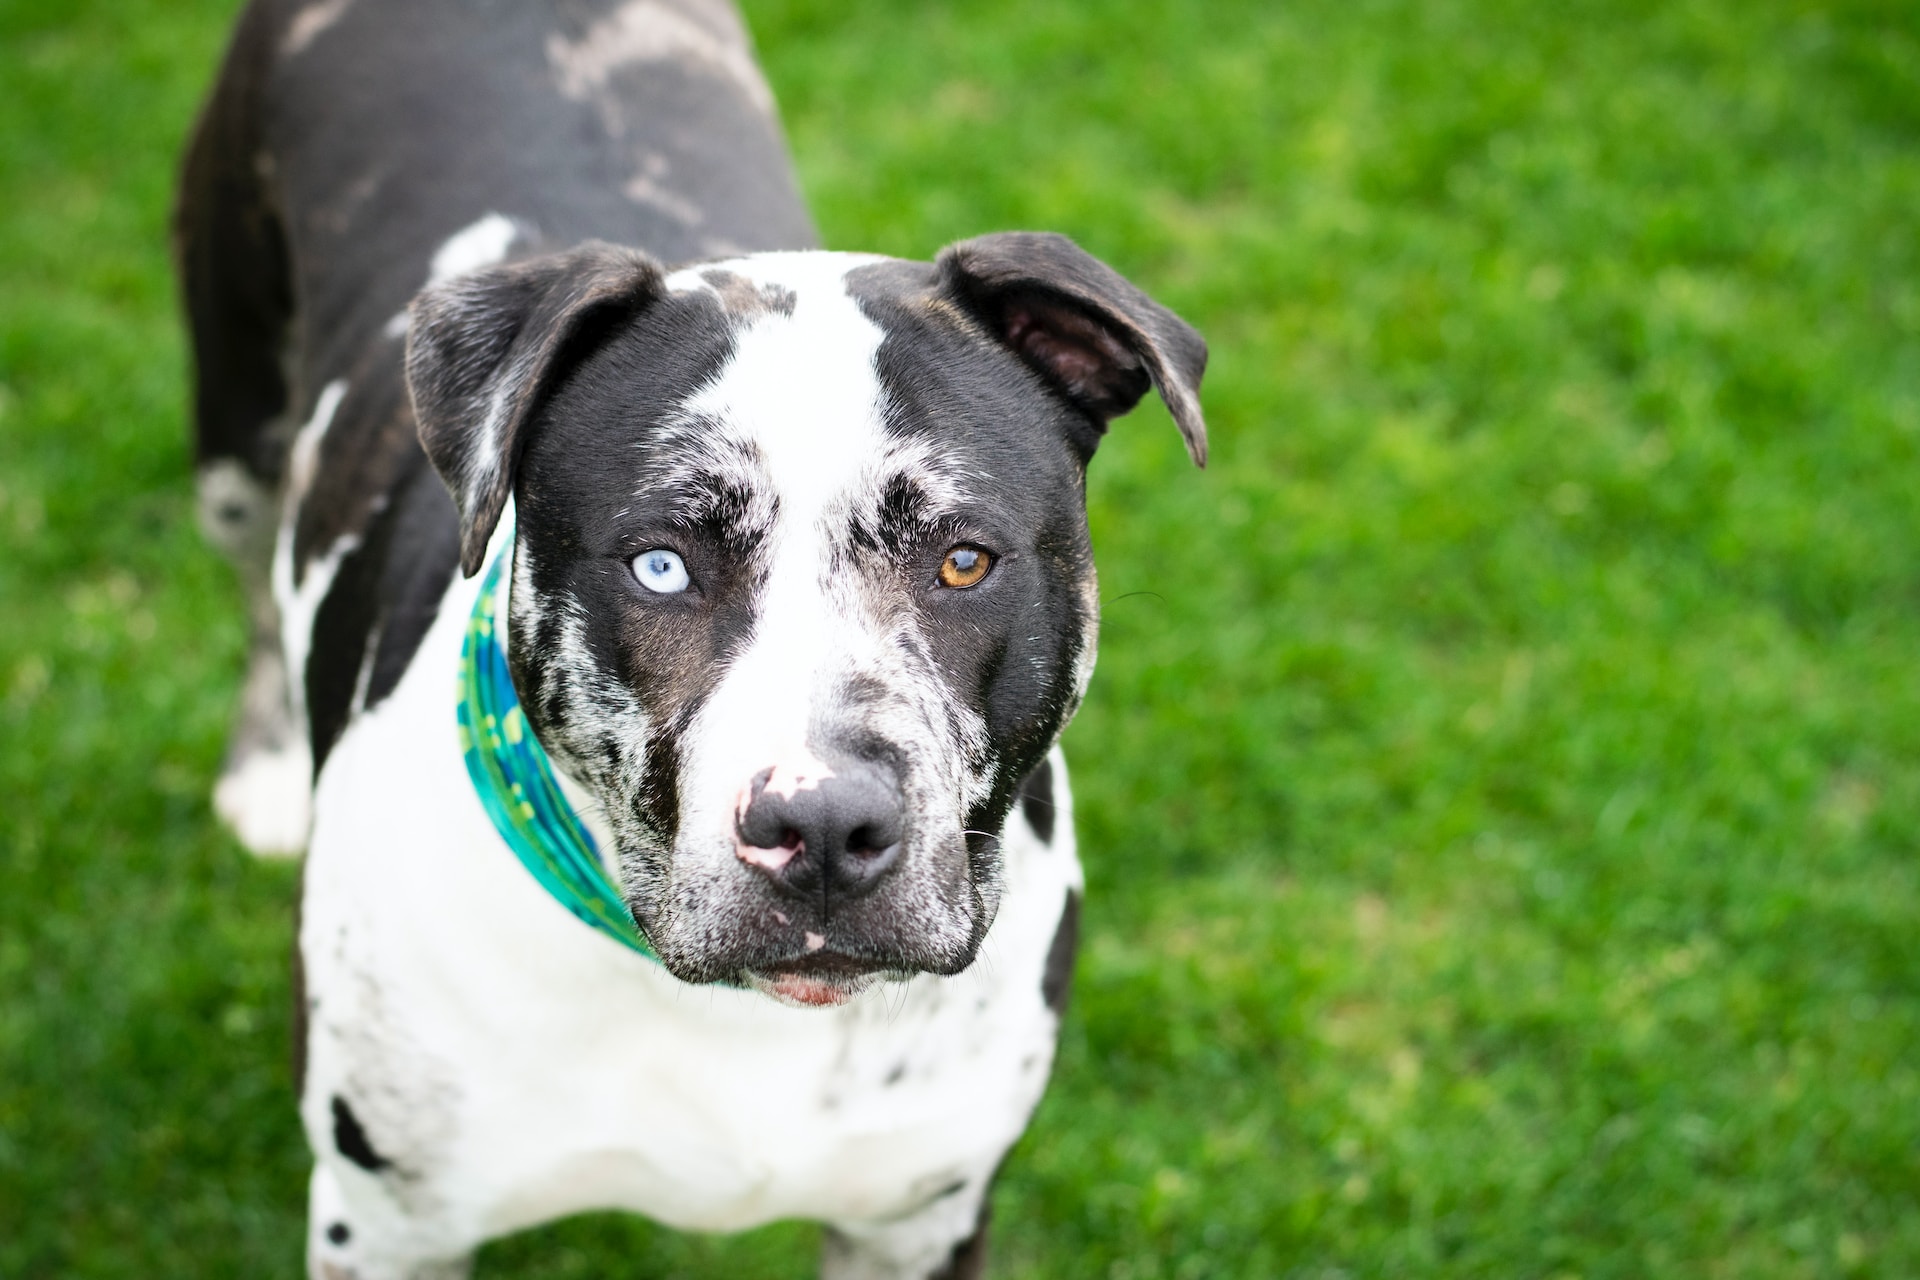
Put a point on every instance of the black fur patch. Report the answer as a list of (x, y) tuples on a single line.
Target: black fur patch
[(1036, 801), (235, 274), (1057, 980), (424, 552), (968, 1261), (351, 1140), (368, 450)]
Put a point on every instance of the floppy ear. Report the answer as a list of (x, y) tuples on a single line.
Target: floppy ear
[(1081, 325), (482, 351)]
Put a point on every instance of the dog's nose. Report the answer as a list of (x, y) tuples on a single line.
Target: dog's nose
[(836, 829)]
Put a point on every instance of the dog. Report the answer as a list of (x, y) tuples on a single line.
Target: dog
[(663, 630)]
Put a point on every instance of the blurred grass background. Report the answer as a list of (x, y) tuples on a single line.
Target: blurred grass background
[(1500, 789)]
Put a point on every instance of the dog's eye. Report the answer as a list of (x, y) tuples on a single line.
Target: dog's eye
[(660, 570), (964, 566)]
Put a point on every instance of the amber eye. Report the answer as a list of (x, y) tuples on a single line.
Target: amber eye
[(965, 566)]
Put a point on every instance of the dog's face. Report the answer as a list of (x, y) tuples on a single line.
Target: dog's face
[(802, 587)]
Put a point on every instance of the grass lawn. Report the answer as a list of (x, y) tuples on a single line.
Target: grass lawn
[(1501, 788)]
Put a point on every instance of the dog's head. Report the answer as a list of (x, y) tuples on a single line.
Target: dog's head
[(802, 588)]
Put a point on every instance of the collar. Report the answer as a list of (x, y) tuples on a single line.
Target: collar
[(514, 779)]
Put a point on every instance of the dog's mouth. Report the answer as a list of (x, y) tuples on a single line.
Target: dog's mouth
[(822, 979)]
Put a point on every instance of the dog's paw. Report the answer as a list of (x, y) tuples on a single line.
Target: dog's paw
[(266, 799)]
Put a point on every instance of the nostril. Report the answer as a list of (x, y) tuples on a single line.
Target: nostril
[(868, 842), (790, 839), (864, 867)]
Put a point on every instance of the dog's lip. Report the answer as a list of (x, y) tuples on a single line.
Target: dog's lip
[(818, 979), (824, 964)]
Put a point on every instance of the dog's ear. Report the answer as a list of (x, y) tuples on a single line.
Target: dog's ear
[(484, 348), (1081, 325)]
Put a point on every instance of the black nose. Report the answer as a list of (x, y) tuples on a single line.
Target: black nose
[(842, 832)]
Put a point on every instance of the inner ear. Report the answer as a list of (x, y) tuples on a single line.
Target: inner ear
[(1083, 327), (1075, 350)]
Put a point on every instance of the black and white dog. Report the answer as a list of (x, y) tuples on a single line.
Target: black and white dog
[(800, 596)]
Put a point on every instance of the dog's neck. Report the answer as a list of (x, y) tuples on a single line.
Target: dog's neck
[(516, 782)]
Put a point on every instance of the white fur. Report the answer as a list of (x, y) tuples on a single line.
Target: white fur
[(235, 509), (259, 802), (267, 799), (305, 454), (309, 22), (803, 391), (648, 31), (264, 795), (478, 244)]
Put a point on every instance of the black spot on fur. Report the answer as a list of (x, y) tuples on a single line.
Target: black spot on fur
[(894, 525), (968, 1261), (339, 1233), (343, 628), (423, 554), (659, 798), (1036, 801), (1057, 980), (721, 509), (350, 1140)]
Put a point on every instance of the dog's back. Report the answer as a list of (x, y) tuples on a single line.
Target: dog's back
[(390, 126)]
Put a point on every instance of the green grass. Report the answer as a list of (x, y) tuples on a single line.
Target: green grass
[(1501, 788)]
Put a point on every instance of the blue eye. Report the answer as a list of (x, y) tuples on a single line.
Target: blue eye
[(660, 570)]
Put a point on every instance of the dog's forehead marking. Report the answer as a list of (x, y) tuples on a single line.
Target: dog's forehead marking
[(801, 385), (802, 395)]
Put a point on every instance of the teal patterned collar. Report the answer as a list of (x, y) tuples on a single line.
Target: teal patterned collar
[(515, 782)]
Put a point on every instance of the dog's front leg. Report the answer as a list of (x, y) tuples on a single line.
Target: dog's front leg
[(349, 1242), (946, 1240)]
